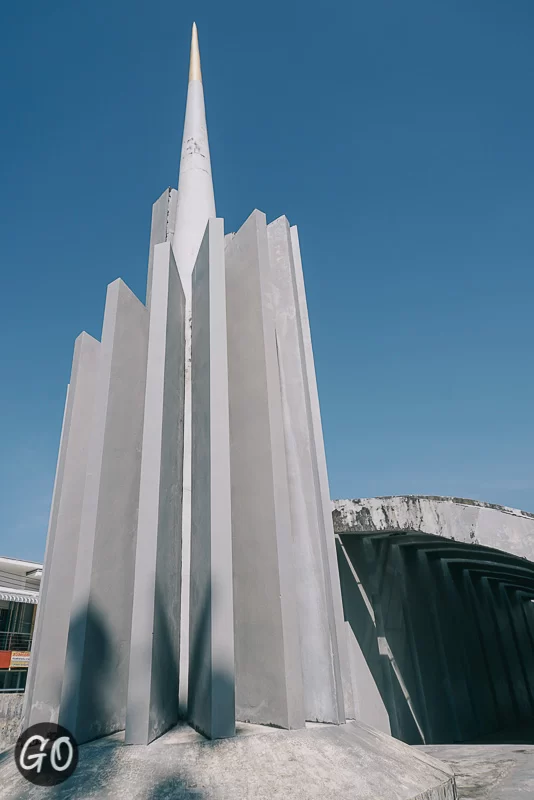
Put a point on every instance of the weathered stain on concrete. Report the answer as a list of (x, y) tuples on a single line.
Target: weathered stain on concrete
[(461, 519), (10, 718)]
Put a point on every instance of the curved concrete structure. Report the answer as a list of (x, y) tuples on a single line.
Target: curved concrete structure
[(437, 596), (464, 520)]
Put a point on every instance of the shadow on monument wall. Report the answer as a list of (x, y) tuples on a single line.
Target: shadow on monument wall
[(201, 658), (456, 658), (165, 669), (86, 628), (199, 652), (90, 714), (89, 665), (104, 760)]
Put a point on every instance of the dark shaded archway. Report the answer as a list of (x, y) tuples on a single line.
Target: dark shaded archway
[(447, 631)]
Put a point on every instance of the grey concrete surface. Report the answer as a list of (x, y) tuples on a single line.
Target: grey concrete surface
[(324, 762), (195, 205), (269, 685), (366, 695), (461, 519), (183, 689), (323, 689), (152, 705), (11, 706), (500, 703), (52, 523), (43, 691), (211, 706), (362, 643), (332, 581), (161, 230), (93, 697), (489, 772)]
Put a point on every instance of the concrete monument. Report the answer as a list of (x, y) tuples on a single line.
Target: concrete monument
[(191, 569)]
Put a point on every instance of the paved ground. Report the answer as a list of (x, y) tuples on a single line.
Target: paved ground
[(483, 771), (489, 772), (320, 762)]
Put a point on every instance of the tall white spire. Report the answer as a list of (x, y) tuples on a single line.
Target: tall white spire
[(195, 206), (196, 200)]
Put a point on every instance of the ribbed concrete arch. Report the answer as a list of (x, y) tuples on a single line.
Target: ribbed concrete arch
[(437, 603), (457, 518)]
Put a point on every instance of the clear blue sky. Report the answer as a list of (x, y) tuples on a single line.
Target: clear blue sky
[(399, 136)]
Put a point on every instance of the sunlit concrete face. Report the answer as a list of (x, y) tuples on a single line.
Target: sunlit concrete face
[(445, 628), (155, 639), (188, 213), (324, 657), (269, 681), (211, 701), (43, 689), (93, 701)]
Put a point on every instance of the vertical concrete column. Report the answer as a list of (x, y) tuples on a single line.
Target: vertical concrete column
[(211, 703), (527, 611), (446, 723), (375, 562), (186, 512), (326, 527), (161, 230), (360, 623), (37, 618), (155, 642), (500, 644), (481, 670), (510, 651), (43, 691), (454, 632), (164, 225), (392, 633), (525, 614), (415, 680), (269, 683), (512, 601), (195, 205), (396, 644), (93, 699), (474, 663), (483, 604), (323, 688)]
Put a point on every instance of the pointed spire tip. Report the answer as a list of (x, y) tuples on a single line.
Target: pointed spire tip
[(195, 73)]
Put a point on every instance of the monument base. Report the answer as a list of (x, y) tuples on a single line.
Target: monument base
[(326, 762)]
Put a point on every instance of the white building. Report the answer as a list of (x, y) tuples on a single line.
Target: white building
[(19, 593)]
